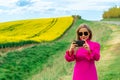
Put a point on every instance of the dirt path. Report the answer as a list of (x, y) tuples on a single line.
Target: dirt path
[(112, 22), (109, 54), (4, 51)]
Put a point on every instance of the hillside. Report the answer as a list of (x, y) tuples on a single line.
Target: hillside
[(45, 61), (41, 61)]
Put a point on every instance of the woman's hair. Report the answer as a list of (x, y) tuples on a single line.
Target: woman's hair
[(83, 26)]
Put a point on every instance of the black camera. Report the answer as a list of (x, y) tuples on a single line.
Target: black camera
[(79, 43)]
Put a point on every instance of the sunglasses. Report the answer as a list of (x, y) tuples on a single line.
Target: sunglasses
[(82, 33)]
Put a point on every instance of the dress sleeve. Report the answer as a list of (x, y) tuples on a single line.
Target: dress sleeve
[(95, 53), (68, 57)]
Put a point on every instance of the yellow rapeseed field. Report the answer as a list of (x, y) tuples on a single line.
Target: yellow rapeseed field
[(45, 29)]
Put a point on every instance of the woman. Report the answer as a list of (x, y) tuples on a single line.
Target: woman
[(84, 56)]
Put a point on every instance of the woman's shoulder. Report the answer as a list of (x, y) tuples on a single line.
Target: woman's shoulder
[(95, 43)]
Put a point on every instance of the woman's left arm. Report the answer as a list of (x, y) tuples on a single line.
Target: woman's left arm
[(94, 53)]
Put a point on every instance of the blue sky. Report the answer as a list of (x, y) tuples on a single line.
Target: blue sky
[(11, 10)]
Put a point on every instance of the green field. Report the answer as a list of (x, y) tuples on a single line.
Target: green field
[(45, 61)]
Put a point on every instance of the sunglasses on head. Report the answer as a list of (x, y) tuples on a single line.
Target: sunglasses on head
[(82, 33)]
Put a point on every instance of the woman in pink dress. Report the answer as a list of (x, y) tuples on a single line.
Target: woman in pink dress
[(84, 56)]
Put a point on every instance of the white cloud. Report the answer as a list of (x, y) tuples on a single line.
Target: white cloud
[(1, 11), (8, 3), (12, 8), (17, 11), (42, 6), (88, 4), (91, 1)]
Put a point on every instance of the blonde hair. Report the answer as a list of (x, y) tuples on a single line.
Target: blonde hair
[(83, 26)]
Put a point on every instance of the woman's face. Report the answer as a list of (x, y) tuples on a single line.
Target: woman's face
[(84, 34)]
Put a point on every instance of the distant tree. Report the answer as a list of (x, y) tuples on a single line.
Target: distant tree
[(113, 12), (77, 16)]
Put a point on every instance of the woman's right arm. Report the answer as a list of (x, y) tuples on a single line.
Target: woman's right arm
[(69, 55)]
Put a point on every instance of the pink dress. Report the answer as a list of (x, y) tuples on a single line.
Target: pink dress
[(84, 68)]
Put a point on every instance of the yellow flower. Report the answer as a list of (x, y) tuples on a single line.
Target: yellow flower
[(45, 29)]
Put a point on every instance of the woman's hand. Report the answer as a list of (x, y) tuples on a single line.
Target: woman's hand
[(87, 47), (72, 48)]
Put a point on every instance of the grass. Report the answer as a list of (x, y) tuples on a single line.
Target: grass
[(108, 67), (114, 70), (21, 64)]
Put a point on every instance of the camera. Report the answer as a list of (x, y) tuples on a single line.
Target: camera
[(79, 43)]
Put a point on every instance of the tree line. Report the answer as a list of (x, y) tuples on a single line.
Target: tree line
[(113, 12)]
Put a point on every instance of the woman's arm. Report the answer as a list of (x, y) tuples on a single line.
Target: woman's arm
[(69, 56), (94, 54)]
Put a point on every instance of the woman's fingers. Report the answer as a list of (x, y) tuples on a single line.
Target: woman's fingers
[(72, 45), (84, 45)]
